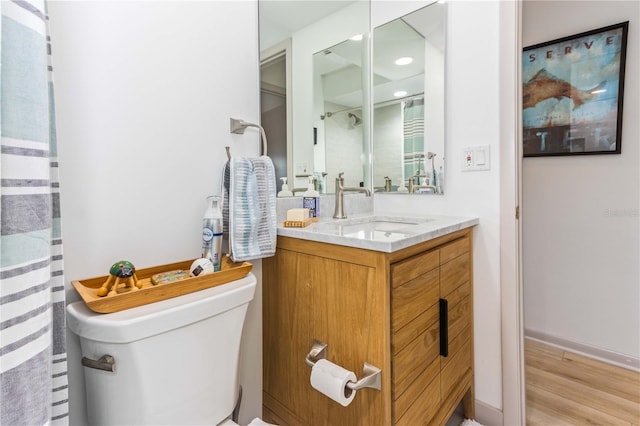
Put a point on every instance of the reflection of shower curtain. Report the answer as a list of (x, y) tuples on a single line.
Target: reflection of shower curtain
[(33, 361), (414, 138)]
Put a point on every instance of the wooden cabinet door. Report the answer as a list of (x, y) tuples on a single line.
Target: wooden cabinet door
[(456, 286), (310, 297), (415, 338)]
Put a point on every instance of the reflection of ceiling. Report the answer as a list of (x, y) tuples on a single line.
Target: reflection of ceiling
[(402, 37), (345, 54), (430, 22), (406, 36), (281, 18), (339, 68), (396, 40)]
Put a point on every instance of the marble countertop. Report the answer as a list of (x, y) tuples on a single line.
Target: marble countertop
[(384, 233)]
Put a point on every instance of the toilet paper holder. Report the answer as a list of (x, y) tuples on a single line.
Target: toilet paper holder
[(371, 375)]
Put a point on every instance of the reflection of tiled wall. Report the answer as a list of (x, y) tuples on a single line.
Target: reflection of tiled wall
[(387, 144), (344, 150)]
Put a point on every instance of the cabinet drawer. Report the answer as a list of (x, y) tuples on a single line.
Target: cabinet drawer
[(420, 402), (413, 298), (454, 273), (454, 249), (413, 267)]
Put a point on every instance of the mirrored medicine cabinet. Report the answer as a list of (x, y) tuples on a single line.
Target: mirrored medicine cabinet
[(339, 96)]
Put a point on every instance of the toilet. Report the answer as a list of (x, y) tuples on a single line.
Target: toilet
[(174, 361)]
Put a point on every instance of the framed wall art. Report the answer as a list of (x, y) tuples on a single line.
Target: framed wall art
[(572, 93)]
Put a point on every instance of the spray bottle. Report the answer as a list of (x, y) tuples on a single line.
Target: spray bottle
[(212, 232)]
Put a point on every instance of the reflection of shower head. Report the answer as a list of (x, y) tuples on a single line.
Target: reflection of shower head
[(354, 119), (432, 156), (325, 115)]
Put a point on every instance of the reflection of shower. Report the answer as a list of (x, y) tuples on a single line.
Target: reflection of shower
[(354, 119)]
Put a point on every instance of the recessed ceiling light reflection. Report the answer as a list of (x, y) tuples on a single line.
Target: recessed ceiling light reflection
[(404, 61), (399, 93), (356, 37)]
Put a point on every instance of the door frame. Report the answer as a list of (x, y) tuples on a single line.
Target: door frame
[(270, 54), (512, 322)]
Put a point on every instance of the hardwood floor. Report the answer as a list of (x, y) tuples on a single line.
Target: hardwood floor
[(564, 388)]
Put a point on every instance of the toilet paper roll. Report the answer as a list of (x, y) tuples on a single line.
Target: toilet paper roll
[(331, 380)]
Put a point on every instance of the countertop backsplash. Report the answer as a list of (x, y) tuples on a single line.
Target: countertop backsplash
[(354, 204)]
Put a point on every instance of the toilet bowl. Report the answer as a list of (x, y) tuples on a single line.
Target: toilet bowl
[(175, 361)]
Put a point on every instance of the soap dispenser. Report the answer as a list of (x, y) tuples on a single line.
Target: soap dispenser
[(311, 199), (285, 189)]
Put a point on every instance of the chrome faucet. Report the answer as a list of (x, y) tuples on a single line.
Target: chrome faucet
[(412, 183), (340, 190), (430, 187), (413, 187), (387, 184)]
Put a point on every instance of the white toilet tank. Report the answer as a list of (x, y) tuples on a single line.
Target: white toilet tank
[(176, 361)]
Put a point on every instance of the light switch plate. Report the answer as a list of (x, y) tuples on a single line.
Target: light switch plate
[(476, 158)]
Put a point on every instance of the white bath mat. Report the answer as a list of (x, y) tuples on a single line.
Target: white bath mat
[(469, 422)]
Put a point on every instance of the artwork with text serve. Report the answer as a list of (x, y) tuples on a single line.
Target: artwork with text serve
[(572, 93)]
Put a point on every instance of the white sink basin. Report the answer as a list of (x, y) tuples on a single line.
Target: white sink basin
[(378, 225), (371, 227)]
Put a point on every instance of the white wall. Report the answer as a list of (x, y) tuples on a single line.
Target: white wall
[(581, 220), (472, 118), (144, 93)]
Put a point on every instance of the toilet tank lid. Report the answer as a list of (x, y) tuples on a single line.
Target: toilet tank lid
[(144, 321)]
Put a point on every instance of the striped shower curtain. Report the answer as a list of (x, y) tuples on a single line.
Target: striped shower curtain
[(33, 360), (414, 163)]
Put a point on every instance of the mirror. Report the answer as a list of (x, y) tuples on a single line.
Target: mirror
[(339, 122), (327, 112), (313, 28), (408, 102)]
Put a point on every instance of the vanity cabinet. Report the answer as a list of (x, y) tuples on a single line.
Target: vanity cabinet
[(409, 313)]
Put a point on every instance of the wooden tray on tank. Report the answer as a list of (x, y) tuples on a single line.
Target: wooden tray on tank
[(88, 288)]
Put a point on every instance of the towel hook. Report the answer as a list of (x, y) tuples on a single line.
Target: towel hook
[(238, 126)]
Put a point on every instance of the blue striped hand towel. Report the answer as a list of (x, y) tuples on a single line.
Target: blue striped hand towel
[(252, 228)]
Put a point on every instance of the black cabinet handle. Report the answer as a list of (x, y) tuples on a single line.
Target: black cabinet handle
[(444, 327)]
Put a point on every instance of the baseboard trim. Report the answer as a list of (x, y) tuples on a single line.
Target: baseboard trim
[(600, 354), (488, 415)]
